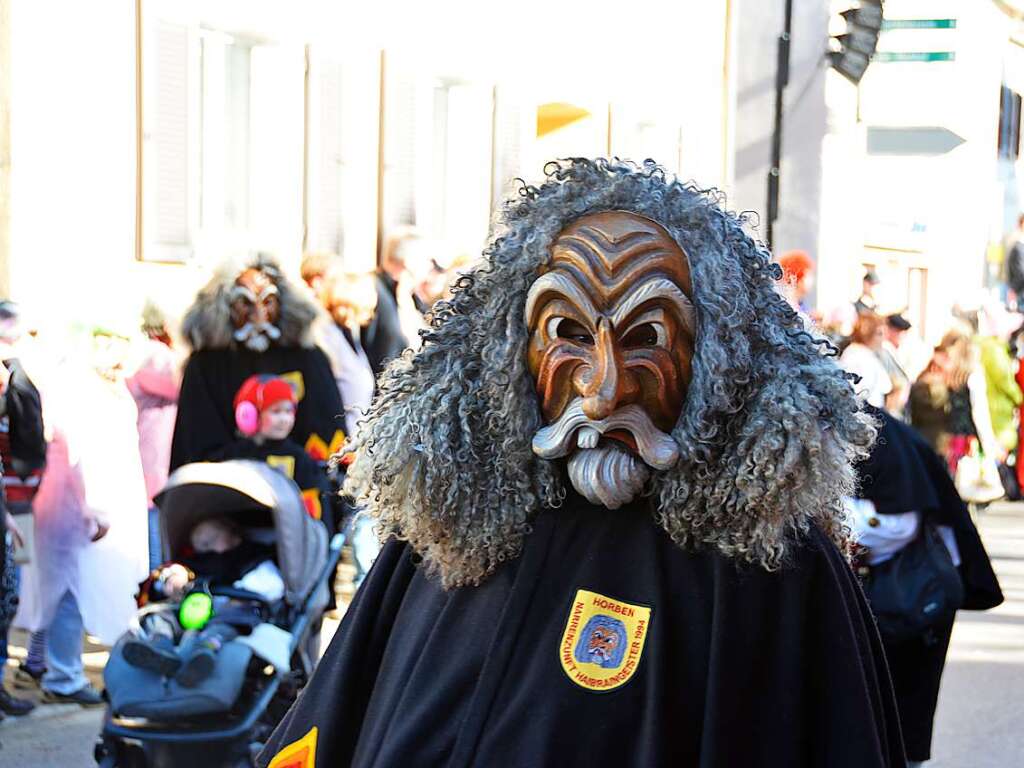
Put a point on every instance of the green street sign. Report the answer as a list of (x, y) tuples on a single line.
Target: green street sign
[(914, 56), (918, 24)]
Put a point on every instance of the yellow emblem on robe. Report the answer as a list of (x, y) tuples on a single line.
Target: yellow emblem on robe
[(337, 441), (603, 640), (320, 450), (311, 500), (284, 463), (298, 384), (298, 754)]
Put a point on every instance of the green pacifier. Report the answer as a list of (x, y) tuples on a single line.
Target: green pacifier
[(195, 610)]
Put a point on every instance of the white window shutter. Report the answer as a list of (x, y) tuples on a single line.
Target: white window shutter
[(324, 225), (169, 187)]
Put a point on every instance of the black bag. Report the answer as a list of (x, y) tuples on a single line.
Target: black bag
[(1008, 476), (916, 590)]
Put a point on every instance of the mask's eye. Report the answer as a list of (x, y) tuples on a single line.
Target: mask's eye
[(645, 335), (573, 331)]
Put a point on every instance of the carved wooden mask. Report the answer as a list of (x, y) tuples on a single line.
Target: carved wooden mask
[(611, 320)]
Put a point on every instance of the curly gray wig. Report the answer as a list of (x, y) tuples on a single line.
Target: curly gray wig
[(207, 323), (767, 434)]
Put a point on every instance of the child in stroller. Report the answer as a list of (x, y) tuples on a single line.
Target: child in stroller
[(221, 556), (154, 721)]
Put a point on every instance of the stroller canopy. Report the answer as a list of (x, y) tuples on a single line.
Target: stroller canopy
[(245, 491)]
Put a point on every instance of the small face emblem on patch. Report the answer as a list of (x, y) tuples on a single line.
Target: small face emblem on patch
[(603, 640)]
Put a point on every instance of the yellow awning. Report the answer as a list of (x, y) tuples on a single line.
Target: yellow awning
[(557, 114)]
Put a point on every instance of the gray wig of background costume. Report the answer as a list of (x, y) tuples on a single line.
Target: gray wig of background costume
[(207, 323), (767, 434)]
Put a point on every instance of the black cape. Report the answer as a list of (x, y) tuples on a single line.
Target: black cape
[(738, 666), (206, 416), (904, 474)]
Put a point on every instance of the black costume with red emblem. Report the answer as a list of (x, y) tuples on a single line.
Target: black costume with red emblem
[(474, 677), (219, 364)]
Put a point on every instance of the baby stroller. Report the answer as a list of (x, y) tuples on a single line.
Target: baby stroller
[(151, 721)]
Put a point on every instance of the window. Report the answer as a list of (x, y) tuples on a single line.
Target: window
[(223, 124)]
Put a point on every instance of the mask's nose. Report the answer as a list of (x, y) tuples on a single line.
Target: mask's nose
[(607, 387)]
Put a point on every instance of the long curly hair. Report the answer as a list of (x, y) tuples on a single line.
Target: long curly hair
[(768, 432)]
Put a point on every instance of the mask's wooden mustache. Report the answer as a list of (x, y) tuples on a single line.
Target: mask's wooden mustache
[(655, 447)]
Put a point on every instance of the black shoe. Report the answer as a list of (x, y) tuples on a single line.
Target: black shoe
[(12, 706), (149, 656), (26, 677), (87, 696), (196, 668)]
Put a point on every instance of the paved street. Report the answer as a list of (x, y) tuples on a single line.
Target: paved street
[(980, 721)]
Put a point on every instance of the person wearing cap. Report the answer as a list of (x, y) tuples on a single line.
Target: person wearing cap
[(265, 415), (896, 327), (867, 301)]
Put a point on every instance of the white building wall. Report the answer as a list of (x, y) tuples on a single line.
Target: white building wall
[(930, 214), (72, 156), (666, 95)]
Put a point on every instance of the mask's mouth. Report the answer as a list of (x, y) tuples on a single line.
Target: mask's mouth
[(629, 427), (588, 437), (257, 336)]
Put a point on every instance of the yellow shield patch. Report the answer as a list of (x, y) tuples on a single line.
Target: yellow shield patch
[(294, 378), (298, 754), (284, 463), (603, 640)]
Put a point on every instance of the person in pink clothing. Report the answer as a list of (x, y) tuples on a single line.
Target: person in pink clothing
[(154, 385)]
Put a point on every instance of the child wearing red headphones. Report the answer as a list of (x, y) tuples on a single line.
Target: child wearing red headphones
[(265, 415)]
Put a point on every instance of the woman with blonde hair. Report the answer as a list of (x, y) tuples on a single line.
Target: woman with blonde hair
[(949, 404)]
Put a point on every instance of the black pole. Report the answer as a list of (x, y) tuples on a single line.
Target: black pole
[(781, 79)]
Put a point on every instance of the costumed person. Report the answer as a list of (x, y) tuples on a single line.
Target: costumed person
[(612, 480), (245, 322), (154, 385), (904, 491), (90, 518), (265, 415)]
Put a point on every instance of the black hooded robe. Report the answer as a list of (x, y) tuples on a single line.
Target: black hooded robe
[(904, 474), (206, 416), (734, 666)]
